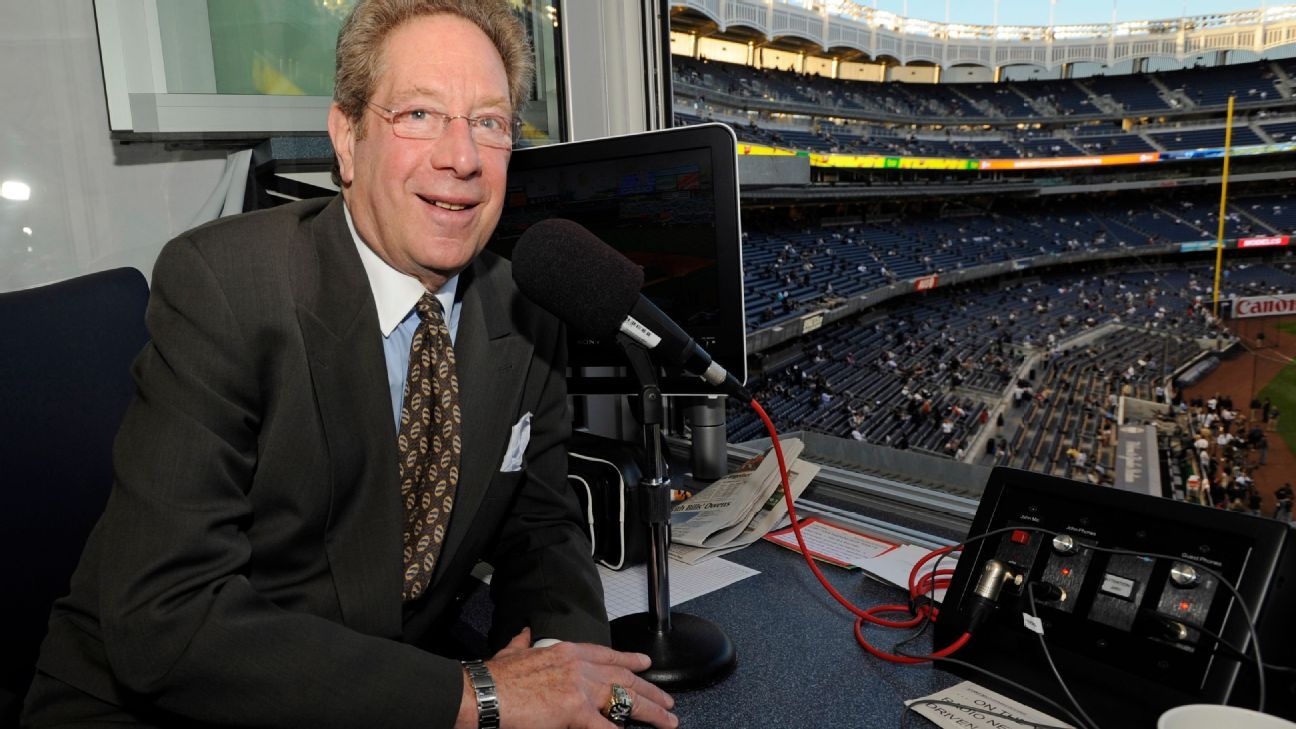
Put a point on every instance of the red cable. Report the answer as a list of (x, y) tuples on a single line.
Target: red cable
[(917, 586), (859, 638)]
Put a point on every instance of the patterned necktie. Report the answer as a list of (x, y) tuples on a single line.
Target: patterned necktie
[(428, 444)]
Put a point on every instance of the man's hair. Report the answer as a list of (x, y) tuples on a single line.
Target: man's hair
[(361, 41)]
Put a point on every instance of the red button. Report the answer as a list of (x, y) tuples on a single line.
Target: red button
[(1020, 537)]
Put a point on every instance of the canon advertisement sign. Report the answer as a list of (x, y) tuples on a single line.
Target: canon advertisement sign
[(1264, 306)]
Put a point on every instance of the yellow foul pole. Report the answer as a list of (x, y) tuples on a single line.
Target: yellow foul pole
[(1219, 239)]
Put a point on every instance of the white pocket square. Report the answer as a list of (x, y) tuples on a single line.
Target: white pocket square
[(519, 437)]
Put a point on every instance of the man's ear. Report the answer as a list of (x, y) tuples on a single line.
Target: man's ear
[(342, 133)]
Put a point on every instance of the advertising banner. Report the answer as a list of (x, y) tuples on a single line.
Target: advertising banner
[(767, 151), (1265, 242), (926, 283), (891, 162), (1042, 163), (1251, 306)]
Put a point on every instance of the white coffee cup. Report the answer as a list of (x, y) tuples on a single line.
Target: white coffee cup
[(1215, 716)]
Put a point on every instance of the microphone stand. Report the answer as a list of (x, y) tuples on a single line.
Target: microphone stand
[(687, 652)]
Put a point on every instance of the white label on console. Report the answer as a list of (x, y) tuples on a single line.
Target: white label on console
[(1118, 586), (1033, 623)]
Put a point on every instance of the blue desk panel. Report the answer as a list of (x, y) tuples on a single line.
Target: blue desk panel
[(798, 662)]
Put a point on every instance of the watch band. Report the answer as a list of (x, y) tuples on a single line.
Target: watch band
[(479, 676)]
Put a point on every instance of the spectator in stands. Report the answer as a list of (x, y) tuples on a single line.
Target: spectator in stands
[(1283, 509), (1254, 500), (1202, 443)]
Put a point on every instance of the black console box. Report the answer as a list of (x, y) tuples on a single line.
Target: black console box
[(1123, 636)]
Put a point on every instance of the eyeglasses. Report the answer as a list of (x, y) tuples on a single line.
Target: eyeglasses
[(487, 130)]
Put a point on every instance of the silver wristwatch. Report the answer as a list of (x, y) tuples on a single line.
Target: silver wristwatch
[(487, 700)]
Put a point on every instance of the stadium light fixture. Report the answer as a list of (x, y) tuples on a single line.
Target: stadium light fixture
[(15, 190)]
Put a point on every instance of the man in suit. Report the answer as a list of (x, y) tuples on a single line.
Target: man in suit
[(255, 564)]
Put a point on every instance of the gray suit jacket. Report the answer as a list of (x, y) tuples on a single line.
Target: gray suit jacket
[(247, 570)]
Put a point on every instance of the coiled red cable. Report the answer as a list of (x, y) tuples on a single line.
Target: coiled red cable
[(918, 586)]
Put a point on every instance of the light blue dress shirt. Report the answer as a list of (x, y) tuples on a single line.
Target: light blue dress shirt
[(395, 295)]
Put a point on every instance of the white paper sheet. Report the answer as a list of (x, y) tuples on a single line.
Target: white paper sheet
[(881, 560), (981, 704), (626, 592), (834, 542), (894, 566)]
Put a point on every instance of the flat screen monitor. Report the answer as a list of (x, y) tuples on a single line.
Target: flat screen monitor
[(668, 201)]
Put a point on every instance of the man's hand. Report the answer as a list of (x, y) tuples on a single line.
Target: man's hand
[(570, 685)]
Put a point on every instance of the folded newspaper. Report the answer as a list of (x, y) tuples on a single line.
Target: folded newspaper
[(739, 508)]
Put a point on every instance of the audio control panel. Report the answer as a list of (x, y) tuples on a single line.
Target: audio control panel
[(1186, 598), (1129, 589), (1067, 565)]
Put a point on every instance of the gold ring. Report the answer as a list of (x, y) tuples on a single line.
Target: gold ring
[(619, 704)]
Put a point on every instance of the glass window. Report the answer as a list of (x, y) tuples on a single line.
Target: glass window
[(286, 47)]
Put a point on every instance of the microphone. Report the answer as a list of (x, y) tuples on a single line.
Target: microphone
[(570, 273)]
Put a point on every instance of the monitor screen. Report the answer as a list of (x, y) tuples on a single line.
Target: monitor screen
[(668, 201)]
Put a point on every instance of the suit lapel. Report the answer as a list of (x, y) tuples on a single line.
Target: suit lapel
[(339, 325), (491, 359)]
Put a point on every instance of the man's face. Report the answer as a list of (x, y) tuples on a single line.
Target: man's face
[(427, 206)]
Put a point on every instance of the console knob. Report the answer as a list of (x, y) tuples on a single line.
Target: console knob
[(1175, 630), (1064, 544), (1184, 575)]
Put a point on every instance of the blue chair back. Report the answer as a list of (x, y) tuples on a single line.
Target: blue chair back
[(65, 356)]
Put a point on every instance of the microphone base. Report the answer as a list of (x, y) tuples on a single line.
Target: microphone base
[(693, 654)]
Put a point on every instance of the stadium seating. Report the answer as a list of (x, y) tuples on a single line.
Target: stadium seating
[(896, 376), (1254, 84), (1131, 92), (704, 87), (933, 371), (1281, 131), (791, 271), (1205, 138)]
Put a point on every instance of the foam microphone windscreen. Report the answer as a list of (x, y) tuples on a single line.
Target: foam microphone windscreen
[(568, 271)]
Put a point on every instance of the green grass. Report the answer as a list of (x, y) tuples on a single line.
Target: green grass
[(1281, 391)]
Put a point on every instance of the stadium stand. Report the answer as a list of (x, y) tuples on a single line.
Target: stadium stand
[(1079, 116), (790, 271), (1062, 293), (1200, 138), (927, 373), (1260, 84)]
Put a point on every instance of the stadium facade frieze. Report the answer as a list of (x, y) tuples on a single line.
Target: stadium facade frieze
[(879, 33)]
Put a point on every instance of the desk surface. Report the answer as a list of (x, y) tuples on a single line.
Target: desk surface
[(798, 662), (798, 666)]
